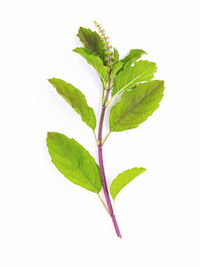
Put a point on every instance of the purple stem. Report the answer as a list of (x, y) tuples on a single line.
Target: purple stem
[(100, 144), (101, 165)]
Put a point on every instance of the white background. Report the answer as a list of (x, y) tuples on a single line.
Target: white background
[(45, 219)]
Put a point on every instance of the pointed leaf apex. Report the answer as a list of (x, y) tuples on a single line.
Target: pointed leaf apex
[(123, 179)]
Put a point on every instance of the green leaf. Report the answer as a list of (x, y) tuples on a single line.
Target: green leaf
[(133, 55), (74, 162), (76, 100), (136, 106), (92, 41), (123, 179), (116, 55), (143, 70), (95, 61), (116, 68)]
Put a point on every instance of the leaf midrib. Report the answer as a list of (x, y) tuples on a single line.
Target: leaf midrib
[(83, 175), (123, 88), (126, 113)]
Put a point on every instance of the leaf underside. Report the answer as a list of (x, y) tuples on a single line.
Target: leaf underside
[(136, 106), (76, 99), (123, 179), (74, 162)]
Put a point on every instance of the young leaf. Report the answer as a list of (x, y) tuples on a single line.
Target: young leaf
[(116, 68), (116, 55), (74, 162), (92, 41), (76, 100), (136, 106), (143, 70), (133, 55), (95, 61), (123, 179)]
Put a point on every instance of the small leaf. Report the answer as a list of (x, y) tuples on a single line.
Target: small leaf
[(116, 55), (76, 100), (143, 70), (136, 106), (123, 179), (92, 41), (116, 68), (133, 55), (95, 61), (74, 162)]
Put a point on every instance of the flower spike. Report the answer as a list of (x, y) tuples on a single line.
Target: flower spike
[(108, 47)]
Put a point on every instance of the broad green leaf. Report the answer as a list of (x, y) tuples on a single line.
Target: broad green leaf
[(116, 68), (95, 61), (133, 55), (116, 55), (136, 106), (143, 70), (76, 100), (92, 41), (74, 162), (123, 179)]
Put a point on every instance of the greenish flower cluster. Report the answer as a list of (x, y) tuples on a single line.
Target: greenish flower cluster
[(109, 54)]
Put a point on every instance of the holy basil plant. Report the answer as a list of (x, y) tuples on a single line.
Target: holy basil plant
[(128, 87)]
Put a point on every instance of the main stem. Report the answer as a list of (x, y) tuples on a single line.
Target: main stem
[(101, 165)]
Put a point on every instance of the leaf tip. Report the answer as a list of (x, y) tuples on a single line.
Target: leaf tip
[(76, 50), (49, 135), (162, 82), (50, 80)]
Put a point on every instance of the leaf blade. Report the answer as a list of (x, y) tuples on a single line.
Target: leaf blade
[(143, 70), (95, 61), (116, 55), (116, 68), (76, 99), (92, 41), (133, 55), (74, 162), (136, 106), (123, 179)]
